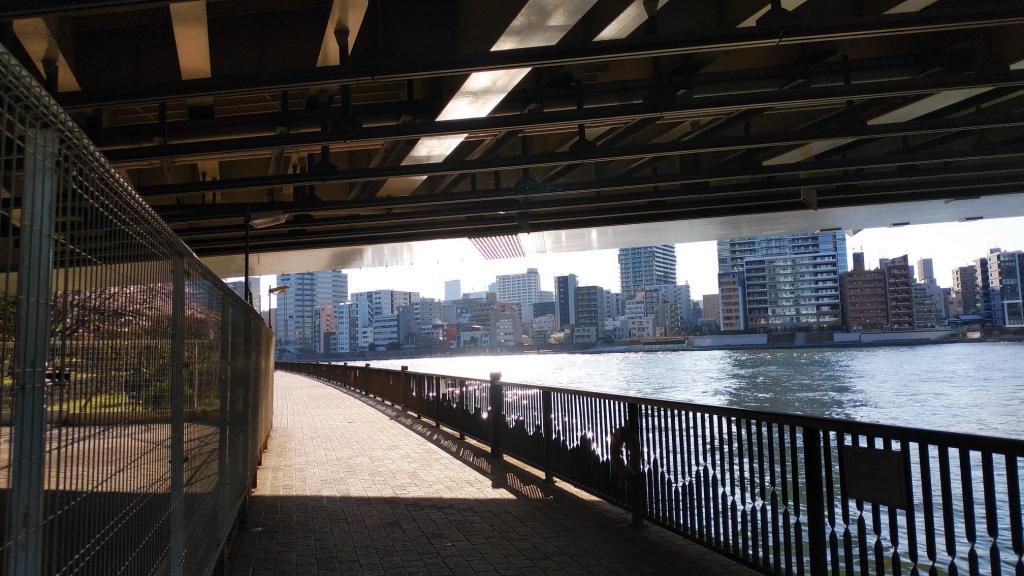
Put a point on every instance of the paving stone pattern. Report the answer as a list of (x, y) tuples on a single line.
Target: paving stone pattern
[(350, 485)]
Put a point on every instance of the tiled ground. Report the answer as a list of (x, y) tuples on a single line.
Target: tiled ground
[(351, 486)]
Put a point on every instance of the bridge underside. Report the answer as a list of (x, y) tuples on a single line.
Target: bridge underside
[(336, 126)]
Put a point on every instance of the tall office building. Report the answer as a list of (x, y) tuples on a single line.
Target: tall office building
[(388, 302), (565, 301), (925, 271), (1006, 273), (784, 282), (645, 267), (452, 290), (238, 287), (297, 316)]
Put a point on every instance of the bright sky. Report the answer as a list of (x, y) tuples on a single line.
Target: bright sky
[(948, 244)]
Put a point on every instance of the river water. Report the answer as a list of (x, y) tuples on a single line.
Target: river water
[(963, 387)]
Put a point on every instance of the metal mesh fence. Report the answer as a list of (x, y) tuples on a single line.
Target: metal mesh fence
[(135, 387)]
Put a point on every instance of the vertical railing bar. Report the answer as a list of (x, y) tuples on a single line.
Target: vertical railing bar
[(991, 511), (830, 501), (815, 507), (1014, 511), (776, 517), (735, 502), (721, 493), (967, 492), (711, 492), (742, 469), (910, 516), (948, 522), (763, 495), (894, 530), (755, 550), (798, 527)]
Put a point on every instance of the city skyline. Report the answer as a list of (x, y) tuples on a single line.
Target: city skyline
[(949, 245)]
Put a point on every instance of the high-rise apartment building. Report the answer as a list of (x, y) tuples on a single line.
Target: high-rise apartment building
[(590, 301), (297, 316), (346, 323), (784, 282), (732, 302), (523, 290), (899, 293), (646, 266), (1005, 276), (926, 315), (385, 302), (712, 309), (925, 270), (965, 291), (983, 287), (863, 297), (452, 290), (565, 301)]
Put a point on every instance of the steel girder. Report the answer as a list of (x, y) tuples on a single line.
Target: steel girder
[(1007, 13), (696, 146)]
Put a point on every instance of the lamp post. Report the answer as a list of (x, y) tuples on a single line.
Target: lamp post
[(270, 292)]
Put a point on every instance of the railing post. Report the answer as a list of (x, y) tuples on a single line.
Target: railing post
[(815, 501), (437, 400), (496, 413), (409, 391), (462, 409), (548, 424), (636, 484)]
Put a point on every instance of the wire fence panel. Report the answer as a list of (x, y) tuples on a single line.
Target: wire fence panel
[(135, 387), (781, 493)]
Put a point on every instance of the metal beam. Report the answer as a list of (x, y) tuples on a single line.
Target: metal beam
[(697, 206), (30, 8), (1008, 14), (599, 155), (692, 108), (655, 189)]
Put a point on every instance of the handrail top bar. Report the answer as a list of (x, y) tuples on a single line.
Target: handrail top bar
[(980, 442)]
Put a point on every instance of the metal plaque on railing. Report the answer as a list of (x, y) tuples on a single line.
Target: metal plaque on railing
[(876, 476)]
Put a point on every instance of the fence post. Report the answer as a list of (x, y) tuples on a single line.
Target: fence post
[(548, 424), (637, 483), (496, 413), (223, 484), (815, 501), (31, 349), (177, 548)]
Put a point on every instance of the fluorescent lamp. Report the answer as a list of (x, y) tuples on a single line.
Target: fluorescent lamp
[(268, 220)]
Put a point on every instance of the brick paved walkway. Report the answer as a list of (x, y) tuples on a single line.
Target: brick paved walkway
[(351, 486)]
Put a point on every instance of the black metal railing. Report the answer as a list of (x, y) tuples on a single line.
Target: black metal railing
[(782, 493), (135, 386)]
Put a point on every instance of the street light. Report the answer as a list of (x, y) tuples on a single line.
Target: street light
[(270, 292)]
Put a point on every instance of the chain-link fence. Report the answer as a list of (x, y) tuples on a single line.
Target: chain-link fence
[(135, 387)]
